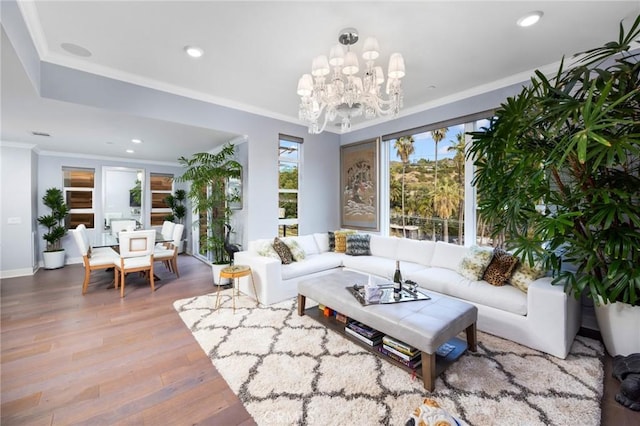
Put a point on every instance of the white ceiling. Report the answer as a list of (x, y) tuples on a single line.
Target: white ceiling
[(256, 51)]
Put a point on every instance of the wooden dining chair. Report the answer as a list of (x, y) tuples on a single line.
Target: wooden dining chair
[(93, 259), (136, 255)]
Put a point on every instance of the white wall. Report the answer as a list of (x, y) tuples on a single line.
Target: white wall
[(17, 212)]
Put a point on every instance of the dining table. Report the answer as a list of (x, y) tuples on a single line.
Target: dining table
[(107, 239)]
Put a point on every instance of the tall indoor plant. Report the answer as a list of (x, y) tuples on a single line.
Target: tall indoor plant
[(53, 255), (208, 174), (558, 172)]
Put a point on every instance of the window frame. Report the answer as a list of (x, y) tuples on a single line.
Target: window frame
[(68, 189), (157, 211), (285, 223)]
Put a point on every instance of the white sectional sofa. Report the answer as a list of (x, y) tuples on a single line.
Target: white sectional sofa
[(545, 318)]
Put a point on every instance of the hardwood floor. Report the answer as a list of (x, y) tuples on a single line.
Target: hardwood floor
[(102, 360)]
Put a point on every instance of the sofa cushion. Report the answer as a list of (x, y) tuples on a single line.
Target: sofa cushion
[(451, 283), (415, 251), (358, 245), (447, 255), (524, 274), (474, 263), (297, 252), (384, 246), (312, 264), (380, 266), (500, 268), (283, 251), (322, 241), (306, 242)]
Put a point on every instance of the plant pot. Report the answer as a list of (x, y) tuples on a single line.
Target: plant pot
[(53, 259), (215, 270), (618, 323)]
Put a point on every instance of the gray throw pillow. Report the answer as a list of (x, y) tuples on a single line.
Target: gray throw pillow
[(358, 245)]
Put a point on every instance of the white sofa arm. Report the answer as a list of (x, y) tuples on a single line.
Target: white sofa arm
[(554, 314), (267, 272)]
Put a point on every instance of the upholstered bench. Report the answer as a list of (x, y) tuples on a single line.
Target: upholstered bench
[(423, 324)]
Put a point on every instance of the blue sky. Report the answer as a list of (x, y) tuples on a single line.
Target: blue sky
[(424, 146)]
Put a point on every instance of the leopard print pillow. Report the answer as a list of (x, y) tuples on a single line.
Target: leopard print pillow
[(283, 251), (499, 270)]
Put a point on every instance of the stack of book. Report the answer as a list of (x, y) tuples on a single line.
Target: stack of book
[(364, 333), (401, 352)]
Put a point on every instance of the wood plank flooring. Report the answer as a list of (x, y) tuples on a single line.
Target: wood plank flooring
[(101, 360)]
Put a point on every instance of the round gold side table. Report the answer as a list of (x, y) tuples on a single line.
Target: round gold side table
[(235, 272)]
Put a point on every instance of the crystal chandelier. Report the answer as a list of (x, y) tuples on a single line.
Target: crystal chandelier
[(339, 92)]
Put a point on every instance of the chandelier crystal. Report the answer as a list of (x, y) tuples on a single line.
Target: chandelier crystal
[(334, 88)]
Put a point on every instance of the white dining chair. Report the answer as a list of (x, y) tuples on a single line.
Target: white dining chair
[(136, 255), (93, 259), (167, 253), (122, 225), (167, 229)]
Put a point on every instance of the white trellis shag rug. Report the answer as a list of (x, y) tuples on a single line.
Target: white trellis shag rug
[(291, 370)]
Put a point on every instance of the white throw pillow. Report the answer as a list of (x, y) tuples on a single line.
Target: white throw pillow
[(523, 275), (474, 263), (265, 248), (297, 252)]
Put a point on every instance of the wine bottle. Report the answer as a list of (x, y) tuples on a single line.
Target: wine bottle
[(397, 281)]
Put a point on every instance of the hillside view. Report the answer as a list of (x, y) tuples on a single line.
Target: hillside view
[(428, 169)]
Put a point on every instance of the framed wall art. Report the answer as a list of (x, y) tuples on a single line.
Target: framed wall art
[(359, 185)]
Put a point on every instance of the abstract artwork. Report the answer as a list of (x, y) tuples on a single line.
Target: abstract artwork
[(359, 185)]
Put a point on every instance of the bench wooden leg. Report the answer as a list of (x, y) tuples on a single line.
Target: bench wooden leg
[(472, 339), (429, 371), (302, 300)]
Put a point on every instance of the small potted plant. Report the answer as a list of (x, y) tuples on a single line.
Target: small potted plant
[(54, 222)]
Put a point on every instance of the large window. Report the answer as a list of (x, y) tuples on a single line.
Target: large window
[(429, 183), (289, 159), (78, 192)]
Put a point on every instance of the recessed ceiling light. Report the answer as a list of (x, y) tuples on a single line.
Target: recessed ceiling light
[(194, 51), (75, 49), (130, 151), (530, 19), (136, 140)]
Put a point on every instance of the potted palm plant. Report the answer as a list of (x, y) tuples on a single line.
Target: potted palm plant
[(208, 175), (558, 172), (53, 255)]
